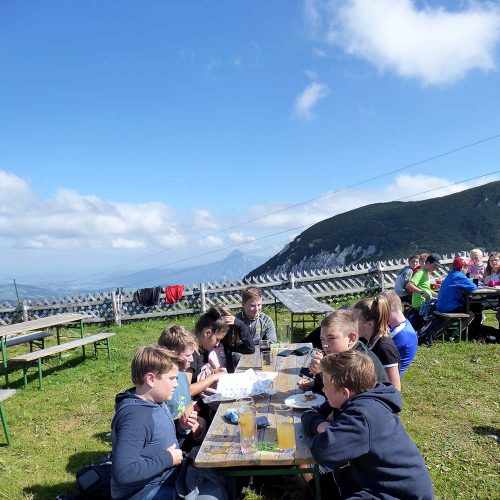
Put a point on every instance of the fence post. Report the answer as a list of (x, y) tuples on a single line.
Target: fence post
[(292, 280), (25, 311), (116, 309), (381, 278), (202, 298)]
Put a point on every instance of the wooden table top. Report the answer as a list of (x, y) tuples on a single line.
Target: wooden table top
[(41, 323), (486, 291), (221, 446)]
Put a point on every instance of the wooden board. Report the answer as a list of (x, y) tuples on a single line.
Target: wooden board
[(40, 324), (67, 346), (221, 446), (300, 301)]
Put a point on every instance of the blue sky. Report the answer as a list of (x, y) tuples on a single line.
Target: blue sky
[(136, 128)]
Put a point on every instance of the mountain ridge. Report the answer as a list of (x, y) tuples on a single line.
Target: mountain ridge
[(395, 229)]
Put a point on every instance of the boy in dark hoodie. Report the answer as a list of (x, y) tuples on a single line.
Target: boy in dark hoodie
[(367, 434), (146, 454)]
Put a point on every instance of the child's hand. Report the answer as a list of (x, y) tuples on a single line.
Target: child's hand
[(189, 421), (219, 371), (305, 383), (176, 454), (322, 427), (229, 320), (314, 366)]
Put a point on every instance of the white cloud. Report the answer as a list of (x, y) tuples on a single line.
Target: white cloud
[(124, 243), (73, 220), (239, 237), (308, 99), (311, 74), (430, 44), (203, 219), (211, 242)]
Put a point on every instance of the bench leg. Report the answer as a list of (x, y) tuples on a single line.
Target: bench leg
[(25, 375), (4, 425), (40, 382)]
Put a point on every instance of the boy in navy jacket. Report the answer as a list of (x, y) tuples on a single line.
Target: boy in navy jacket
[(366, 445), (146, 454)]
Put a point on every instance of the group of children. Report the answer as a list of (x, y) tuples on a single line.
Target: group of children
[(358, 437)]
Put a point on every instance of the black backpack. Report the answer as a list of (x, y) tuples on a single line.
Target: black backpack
[(94, 481)]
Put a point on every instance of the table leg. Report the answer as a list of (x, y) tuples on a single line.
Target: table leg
[(3, 341), (467, 310), (4, 424)]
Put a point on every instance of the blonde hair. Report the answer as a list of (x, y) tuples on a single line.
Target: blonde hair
[(393, 300), (476, 250), (178, 339), (377, 310), (343, 320), (423, 257), (350, 369), (153, 359)]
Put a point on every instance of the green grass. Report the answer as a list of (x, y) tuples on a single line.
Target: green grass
[(450, 406)]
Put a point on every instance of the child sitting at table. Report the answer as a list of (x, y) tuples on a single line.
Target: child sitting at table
[(146, 455), (366, 445), (476, 266), (492, 271), (190, 426)]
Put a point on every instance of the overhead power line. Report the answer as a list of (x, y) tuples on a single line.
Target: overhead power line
[(185, 259)]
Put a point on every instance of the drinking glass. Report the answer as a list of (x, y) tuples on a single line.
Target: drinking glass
[(264, 345), (247, 425), (285, 427), (266, 360)]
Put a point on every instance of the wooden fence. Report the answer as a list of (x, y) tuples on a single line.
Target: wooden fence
[(116, 306)]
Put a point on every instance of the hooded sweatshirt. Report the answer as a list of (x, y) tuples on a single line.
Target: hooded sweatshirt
[(141, 433), (368, 436)]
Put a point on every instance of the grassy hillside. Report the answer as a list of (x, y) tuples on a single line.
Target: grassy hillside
[(450, 406)]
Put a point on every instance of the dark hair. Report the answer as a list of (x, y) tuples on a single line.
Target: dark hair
[(350, 369), (233, 335), (212, 319)]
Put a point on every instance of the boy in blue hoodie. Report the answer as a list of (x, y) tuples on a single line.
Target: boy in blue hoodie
[(366, 445), (146, 454)]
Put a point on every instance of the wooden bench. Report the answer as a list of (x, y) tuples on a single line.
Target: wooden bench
[(32, 338), (4, 394), (451, 319), (37, 356)]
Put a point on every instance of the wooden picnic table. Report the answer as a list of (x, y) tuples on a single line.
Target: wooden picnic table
[(481, 295), (56, 320), (221, 446)]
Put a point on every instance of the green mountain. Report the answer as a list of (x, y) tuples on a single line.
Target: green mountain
[(396, 229)]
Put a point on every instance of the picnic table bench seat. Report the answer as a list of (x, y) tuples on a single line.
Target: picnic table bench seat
[(4, 394), (37, 356), (452, 319), (31, 337)]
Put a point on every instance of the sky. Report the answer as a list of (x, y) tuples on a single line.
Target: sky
[(135, 135)]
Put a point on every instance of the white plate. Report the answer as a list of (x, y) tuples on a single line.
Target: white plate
[(297, 401)]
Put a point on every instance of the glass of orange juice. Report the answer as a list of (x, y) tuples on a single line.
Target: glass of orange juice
[(285, 427), (248, 428)]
